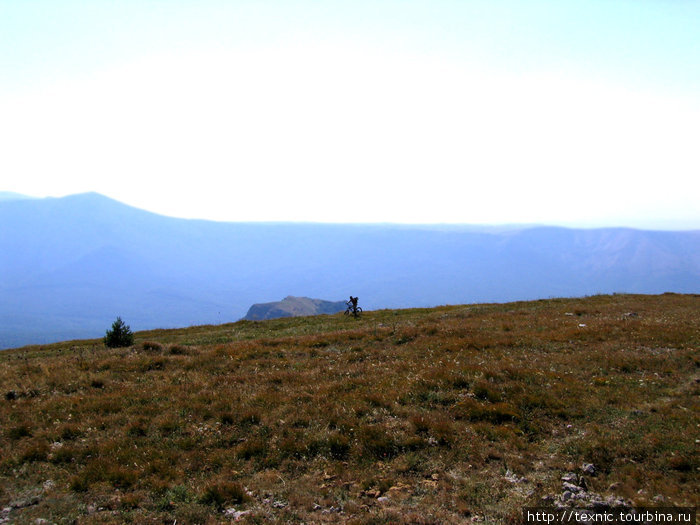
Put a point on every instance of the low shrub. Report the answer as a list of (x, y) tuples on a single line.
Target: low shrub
[(65, 454), (377, 442), (121, 477), (137, 429), (496, 413), (223, 493), (178, 350), (420, 423), (69, 431), (251, 448), (79, 483), (250, 417), (37, 451), (152, 346), (20, 431), (485, 392), (227, 419), (338, 446)]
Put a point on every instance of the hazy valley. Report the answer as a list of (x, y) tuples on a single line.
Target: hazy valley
[(69, 266)]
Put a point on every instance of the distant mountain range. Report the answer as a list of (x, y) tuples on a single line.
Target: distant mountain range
[(293, 307), (69, 266), (11, 196)]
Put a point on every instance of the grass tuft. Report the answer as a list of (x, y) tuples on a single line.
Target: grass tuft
[(222, 493)]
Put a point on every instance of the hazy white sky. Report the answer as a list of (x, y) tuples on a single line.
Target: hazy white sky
[(484, 111)]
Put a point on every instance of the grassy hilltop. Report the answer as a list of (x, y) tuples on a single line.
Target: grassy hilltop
[(425, 416)]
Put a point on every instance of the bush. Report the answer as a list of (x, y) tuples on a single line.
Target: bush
[(178, 350), (119, 336), (152, 346), (339, 446), (223, 492), (19, 432)]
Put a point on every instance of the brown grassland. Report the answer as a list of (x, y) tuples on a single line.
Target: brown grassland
[(424, 416)]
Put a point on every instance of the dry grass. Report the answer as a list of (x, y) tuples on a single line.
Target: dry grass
[(410, 416)]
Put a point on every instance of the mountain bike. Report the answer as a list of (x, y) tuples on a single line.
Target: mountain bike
[(355, 311)]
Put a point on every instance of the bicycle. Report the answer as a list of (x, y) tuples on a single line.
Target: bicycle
[(353, 310)]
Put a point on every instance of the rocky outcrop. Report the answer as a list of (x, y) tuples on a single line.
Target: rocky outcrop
[(293, 307)]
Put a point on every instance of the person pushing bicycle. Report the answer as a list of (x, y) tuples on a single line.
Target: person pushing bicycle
[(352, 307)]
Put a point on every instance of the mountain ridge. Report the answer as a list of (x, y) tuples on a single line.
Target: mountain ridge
[(70, 265)]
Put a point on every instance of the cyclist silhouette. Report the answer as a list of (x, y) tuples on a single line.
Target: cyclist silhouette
[(352, 307)]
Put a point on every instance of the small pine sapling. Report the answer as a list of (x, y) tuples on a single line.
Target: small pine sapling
[(119, 336)]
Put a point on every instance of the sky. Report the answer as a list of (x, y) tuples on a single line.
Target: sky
[(576, 113)]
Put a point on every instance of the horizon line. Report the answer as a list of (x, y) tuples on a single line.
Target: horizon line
[(8, 196)]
